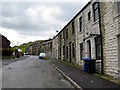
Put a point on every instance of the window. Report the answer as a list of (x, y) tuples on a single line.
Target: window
[(81, 51), (50, 45), (56, 54), (96, 11), (60, 53), (98, 48), (89, 15), (63, 50), (81, 24), (67, 51), (66, 33), (89, 49), (73, 27), (118, 6), (73, 50)]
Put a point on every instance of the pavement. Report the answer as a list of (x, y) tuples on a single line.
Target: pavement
[(83, 79)]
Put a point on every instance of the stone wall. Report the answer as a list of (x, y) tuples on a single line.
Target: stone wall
[(109, 21), (55, 47), (4, 42), (90, 32), (107, 28), (64, 42), (46, 47)]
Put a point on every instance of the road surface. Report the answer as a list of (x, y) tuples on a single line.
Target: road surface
[(32, 73), (9, 61)]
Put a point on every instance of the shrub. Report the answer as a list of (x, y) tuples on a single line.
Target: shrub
[(7, 52)]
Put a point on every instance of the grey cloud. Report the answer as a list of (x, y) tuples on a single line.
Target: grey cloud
[(69, 9), (14, 17)]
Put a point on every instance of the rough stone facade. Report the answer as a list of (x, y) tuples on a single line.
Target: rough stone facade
[(109, 27), (4, 42), (42, 47), (97, 36), (66, 43), (110, 19), (5, 48), (89, 33), (119, 57), (46, 47), (55, 47)]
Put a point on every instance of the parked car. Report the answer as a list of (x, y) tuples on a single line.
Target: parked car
[(26, 53), (42, 56)]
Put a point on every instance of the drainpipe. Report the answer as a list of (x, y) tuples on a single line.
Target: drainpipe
[(100, 27)]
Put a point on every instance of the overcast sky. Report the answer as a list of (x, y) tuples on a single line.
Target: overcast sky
[(23, 22)]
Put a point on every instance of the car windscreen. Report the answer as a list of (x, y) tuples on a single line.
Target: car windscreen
[(42, 54)]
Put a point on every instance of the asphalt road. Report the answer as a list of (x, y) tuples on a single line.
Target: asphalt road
[(9, 61), (32, 73)]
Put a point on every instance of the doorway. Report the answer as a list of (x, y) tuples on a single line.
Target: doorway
[(89, 49), (70, 52)]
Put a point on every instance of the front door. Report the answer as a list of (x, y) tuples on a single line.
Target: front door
[(89, 49), (70, 52)]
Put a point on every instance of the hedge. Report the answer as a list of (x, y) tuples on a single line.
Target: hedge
[(7, 52)]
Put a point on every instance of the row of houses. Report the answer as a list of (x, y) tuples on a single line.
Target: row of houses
[(94, 32), (41, 47)]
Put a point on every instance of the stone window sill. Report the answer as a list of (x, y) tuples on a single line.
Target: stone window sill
[(95, 22), (80, 32), (117, 15)]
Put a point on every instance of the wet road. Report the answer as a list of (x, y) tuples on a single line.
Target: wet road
[(9, 61), (32, 73)]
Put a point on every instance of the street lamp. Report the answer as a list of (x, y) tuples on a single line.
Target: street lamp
[(57, 31)]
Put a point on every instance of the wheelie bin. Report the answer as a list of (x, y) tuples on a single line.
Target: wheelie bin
[(89, 65)]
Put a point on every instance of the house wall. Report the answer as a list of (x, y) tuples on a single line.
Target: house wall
[(54, 48), (46, 47), (67, 42), (107, 27), (110, 19), (119, 58), (79, 39), (59, 46), (4, 42), (90, 32)]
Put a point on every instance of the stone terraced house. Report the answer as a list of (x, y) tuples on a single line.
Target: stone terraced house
[(110, 26), (41, 47), (94, 32), (55, 47), (46, 47), (4, 42), (66, 43)]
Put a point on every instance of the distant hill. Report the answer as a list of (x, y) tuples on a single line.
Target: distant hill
[(25, 45)]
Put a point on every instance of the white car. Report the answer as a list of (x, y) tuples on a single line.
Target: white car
[(42, 56)]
